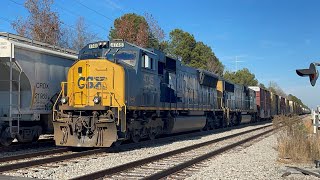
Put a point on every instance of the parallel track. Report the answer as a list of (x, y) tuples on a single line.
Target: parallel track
[(172, 162), (32, 155), (22, 146), (174, 159), (136, 164), (64, 157)]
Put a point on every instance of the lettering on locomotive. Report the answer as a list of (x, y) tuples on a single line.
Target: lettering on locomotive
[(91, 82)]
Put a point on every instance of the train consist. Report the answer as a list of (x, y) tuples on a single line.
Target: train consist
[(30, 77), (118, 91)]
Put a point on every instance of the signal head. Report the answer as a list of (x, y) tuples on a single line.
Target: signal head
[(312, 72)]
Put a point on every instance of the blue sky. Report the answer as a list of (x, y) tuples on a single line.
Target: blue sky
[(271, 38)]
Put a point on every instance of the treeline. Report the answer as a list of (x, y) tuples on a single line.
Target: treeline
[(145, 32), (44, 25)]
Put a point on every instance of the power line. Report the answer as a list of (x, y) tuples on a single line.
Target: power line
[(5, 19), (74, 28), (16, 2), (95, 11), (23, 6), (77, 15)]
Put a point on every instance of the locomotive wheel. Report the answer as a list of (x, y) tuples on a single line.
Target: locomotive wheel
[(35, 138), (5, 138), (136, 138), (152, 136), (212, 124), (206, 127), (117, 143)]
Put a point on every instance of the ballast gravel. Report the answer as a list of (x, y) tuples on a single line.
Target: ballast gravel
[(258, 161), (84, 165)]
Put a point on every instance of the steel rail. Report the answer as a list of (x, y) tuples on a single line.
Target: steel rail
[(18, 146), (131, 165), (34, 154), (139, 163), (20, 165), (97, 151), (199, 159), (305, 171)]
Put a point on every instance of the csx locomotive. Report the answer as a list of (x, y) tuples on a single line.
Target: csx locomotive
[(118, 91)]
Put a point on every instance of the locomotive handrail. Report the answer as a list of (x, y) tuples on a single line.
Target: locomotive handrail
[(54, 110)]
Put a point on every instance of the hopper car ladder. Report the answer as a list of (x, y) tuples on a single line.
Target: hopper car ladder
[(14, 116)]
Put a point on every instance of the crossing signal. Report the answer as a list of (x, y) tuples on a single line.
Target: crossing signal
[(312, 72)]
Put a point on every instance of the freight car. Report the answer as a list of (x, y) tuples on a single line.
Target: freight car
[(118, 91), (263, 101), (30, 77)]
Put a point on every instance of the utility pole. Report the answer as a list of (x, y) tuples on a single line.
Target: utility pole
[(236, 63)]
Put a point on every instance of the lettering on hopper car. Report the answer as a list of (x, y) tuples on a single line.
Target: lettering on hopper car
[(91, 82), (41, 96), (42, 86)]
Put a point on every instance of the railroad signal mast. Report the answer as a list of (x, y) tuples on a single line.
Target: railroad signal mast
[(312, 72)]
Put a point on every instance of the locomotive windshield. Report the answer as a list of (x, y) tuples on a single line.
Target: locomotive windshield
[(128, 57)]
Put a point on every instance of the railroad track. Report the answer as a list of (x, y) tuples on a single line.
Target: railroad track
[(165, 164), (23, 146), (177, 164), (70, 156), (33, 154), (137, 164), (52, 152)]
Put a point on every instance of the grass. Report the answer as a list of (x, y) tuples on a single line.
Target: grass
[(296, 141)]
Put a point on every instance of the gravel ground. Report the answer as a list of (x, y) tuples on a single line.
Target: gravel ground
[(258, 161), (37, 147), (89, 164), (26, 151)]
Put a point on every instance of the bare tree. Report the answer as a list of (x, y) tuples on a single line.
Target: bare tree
[(275, 88), (215, 66), (81, 36), (42, 24), (156, 31)]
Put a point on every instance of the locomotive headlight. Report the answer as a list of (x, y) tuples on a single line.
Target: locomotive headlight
[(64, 100), (96, 100)]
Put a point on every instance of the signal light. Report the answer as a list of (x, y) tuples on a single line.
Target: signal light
[(312, 72)]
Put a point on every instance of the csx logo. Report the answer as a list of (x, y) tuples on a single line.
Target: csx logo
[(91, 82)]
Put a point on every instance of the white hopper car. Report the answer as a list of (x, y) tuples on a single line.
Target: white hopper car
[(30, 76)]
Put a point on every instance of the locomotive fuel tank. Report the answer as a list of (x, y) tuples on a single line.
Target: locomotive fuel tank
[(186, 123)]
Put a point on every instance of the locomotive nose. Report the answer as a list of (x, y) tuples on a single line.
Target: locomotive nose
[(95, 82), (95, 91)]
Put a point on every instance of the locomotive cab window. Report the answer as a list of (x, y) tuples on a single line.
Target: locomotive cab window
[(147, 62), (127, 57)]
